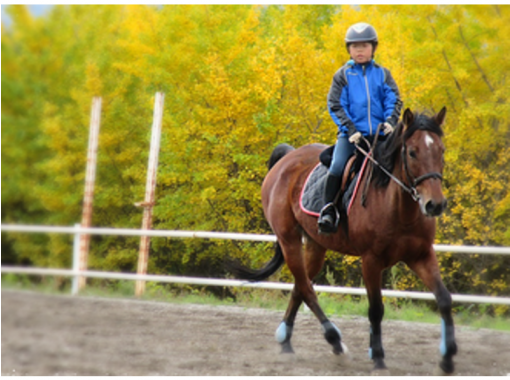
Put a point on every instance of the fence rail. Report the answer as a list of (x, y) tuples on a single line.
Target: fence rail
[(239, 283), (76, 274), (215, 235)]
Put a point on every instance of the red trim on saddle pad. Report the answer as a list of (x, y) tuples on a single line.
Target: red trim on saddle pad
[(361, 172)]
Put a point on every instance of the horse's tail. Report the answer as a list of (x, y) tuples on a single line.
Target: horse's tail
[(277, 261), (257, 275), (278, 152)]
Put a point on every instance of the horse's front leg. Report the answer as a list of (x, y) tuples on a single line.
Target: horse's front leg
[(428, 270), (372, 275)]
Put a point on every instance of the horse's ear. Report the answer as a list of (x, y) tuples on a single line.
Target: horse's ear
[(408, 118), (440, 117)]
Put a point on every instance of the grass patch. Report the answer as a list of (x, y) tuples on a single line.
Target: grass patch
[(332, 304), (403, 310)]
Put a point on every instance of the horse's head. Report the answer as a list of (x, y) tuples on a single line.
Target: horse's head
[(423, 160)]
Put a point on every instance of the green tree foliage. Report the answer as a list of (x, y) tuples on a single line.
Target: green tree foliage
[(238, 80)]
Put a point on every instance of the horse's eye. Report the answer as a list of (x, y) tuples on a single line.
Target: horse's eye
[(412, 154)]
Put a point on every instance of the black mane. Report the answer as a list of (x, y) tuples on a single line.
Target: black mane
[(386, 152)]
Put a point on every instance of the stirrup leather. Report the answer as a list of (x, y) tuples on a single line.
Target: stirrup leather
[(329, 218)]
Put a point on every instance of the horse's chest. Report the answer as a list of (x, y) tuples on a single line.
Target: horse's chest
[(379, 237)]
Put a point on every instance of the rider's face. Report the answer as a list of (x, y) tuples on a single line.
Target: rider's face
[(361, 52)]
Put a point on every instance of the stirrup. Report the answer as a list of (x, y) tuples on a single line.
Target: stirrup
[(328, 219)]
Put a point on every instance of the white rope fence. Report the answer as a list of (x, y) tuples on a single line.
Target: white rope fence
[(247, 284), (136, 232), (215, 235), (223, 282)]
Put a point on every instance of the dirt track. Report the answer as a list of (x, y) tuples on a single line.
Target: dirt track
[(50, 335)]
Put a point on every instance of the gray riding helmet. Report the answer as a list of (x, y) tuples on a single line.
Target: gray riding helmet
[(361, 32)]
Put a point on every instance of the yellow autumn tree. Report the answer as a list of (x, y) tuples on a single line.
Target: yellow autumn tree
[(238, 80)]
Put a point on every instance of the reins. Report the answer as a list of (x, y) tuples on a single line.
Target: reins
[(413, 183), (410, 190), (371, 168)]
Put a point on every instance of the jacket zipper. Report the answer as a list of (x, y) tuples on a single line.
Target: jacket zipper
[(368, 98)]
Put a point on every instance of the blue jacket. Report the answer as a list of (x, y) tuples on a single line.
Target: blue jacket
[(363, 96)]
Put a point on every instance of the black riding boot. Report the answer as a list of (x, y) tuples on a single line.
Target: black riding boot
[(329, 216)]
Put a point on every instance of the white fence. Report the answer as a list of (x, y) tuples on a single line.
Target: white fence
[(75, 273)]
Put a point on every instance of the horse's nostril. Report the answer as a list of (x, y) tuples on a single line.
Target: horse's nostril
[(435, 209), (429, 207)]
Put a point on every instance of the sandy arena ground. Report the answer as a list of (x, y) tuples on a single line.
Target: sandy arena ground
[(64, 335)]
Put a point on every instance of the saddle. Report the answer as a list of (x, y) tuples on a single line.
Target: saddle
[(349, 172), (312, 195)]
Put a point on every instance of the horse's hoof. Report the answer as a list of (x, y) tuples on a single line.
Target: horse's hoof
[(338, 351), (446, 367), (343, 358), (380, 372), (440, 372), (287, 349)]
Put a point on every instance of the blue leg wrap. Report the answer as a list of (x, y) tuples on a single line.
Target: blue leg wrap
[(442, 346), (283, 332), (370, 348)]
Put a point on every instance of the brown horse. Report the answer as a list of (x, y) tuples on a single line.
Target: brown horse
[(396, 224)]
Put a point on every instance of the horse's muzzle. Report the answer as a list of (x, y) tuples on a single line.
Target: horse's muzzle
[(432, 208)]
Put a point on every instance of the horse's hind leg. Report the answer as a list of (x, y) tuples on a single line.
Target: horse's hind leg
[(304, 270), (284, 331), (314, 256), (428, 270)]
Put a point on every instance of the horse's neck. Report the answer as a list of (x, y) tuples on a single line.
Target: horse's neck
[(407, 210)]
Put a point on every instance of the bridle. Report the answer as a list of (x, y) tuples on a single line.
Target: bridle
[(413, 182)]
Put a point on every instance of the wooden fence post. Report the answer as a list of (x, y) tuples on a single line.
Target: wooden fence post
[(76, 260), (150, 189), (90, 178)]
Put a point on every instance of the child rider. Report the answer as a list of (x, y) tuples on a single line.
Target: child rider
[(363, 95)]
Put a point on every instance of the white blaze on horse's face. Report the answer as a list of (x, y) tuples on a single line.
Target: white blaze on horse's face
[(427, 151), (428, 140)]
